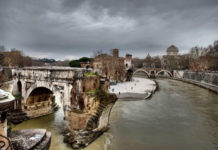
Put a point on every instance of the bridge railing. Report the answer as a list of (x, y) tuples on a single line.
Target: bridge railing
[(5, 143)]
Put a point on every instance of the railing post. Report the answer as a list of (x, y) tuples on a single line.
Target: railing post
[(5, 143)]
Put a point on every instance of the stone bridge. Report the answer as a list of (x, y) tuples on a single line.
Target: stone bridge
[(152, 73), (42, 85), (86, 103)]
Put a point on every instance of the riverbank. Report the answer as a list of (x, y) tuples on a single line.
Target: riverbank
[(204, 79), (137, 88), (205, 85)]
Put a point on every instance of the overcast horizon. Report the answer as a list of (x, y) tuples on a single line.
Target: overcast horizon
[(69, 29)]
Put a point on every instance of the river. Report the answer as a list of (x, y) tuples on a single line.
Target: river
[(179, 116)]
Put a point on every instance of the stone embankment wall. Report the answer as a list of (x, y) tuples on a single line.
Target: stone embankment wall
[(207, 80), (105, 116), (76, 121), (38, 112), (204, 77)]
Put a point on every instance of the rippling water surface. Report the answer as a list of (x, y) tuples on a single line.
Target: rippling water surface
[(179, 116)]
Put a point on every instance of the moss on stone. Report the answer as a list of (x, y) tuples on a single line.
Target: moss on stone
[(17, 96), (91, 91), (88, 74), (104, 96), (4, 98)]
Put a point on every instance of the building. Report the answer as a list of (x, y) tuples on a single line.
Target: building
[(115, 53), (87, 64), (148, 62), (112, 66), (171, 60), (172, 51), (128, 61)]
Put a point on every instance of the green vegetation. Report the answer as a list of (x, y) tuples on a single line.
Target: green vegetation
[(88, 74), (91, 91), (85, 59), (17, 96), (76, 63), (101, 95), (4, 98)]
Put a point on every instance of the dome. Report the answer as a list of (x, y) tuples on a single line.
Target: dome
[(172, 48)]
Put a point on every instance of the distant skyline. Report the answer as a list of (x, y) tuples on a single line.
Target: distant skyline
[(69, 29)]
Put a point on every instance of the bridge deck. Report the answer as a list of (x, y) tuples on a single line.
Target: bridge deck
[(51, 68)]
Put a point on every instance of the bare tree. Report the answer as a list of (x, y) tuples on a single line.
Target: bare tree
[(2, 48), (97, 52), (16, 58)]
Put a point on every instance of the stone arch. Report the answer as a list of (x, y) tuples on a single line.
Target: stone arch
[(19, 87), (127, 65), (169, 73), (152, 72), (33, 87), (39, 94), (141, 70), (88, 66)]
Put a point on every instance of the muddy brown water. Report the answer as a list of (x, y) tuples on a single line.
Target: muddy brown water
[(179, 116)]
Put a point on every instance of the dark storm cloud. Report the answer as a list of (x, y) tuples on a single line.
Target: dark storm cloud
[(73, 28)]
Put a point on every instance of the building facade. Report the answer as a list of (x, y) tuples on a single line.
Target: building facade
[(128, 61), (113, 67), (172, 51), (171, 59)]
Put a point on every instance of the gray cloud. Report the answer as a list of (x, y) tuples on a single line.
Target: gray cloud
[(73, 28)]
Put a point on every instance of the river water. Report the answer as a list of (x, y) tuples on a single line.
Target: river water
[(179, 116)]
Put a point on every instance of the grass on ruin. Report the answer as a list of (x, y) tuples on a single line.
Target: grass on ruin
[(78, 111), (17, 96), (99, 94), (91, 91), (103, 96), (89, 74), (4, 98)]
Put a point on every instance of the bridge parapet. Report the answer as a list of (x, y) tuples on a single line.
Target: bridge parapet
[(48, 73)]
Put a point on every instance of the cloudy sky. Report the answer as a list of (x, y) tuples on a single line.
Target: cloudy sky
[(64, 29)]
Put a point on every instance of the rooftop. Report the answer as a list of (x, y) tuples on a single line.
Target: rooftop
[(172, 48)]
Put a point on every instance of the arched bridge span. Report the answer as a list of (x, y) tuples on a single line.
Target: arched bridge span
[(152, 73)]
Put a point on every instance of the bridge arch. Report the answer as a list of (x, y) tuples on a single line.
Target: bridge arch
[(165, 71), (34, 87), (141, 71), (39, 94)]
